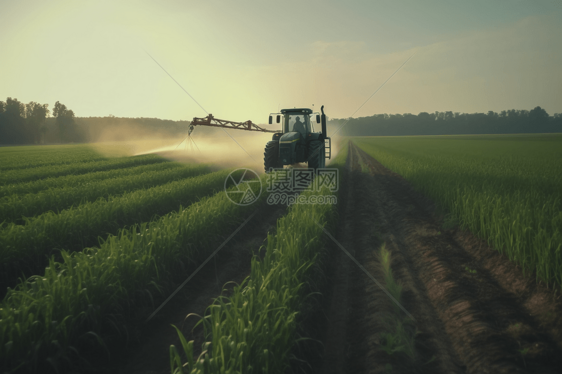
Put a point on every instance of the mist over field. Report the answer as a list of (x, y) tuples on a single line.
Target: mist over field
[(486, 57)]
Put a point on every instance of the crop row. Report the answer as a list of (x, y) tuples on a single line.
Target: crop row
[(31, 156), (47, 318), (255, 329), (12, 208), (396, 331), (71, 181), (26, 175), (25, 247), (503, 190)]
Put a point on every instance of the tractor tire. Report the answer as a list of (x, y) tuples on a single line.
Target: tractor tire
[(316, 155), (271, 156)]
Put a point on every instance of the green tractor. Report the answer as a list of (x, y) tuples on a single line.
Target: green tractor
[(298, 142)]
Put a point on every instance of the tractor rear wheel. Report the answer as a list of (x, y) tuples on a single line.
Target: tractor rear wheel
[(271, 156), (316, 155)]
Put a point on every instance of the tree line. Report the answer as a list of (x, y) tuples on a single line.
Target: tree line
[(511, 121), (32, 124), (25, 123)]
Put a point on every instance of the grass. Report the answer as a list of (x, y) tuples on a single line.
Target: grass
[(505, 189)]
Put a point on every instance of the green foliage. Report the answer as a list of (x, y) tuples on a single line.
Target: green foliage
[(83, 226), (65, 122), (24, 157), (399, 332), (56, 199), (253, 331), (12, 122), (511, 121), (400, 339), (35, 115), (48, 171), (392, 286), (13, 191), (44, 318), (505, 189)]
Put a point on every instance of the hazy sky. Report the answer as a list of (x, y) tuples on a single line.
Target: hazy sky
[(243, 59)]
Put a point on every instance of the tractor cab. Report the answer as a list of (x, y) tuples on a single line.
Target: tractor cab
[(298, 141), (296, 120)]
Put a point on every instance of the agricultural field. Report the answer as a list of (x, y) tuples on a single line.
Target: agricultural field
[(440, 255), (505, 189)]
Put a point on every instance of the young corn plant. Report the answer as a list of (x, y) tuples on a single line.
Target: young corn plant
[(49, 171), (57, 199), (253, 330), (26, 247), (400, 332), (32, 157), (72, 181), (46, 319)]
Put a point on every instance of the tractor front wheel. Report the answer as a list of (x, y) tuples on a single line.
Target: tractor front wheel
[(271, 156)]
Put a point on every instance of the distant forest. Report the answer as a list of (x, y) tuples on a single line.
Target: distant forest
[(449, 123), (32, 124)]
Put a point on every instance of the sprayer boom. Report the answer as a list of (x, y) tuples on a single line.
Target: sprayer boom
[(215, 122)]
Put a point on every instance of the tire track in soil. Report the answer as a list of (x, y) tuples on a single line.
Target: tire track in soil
[(355, 306), (336, 347), (489, 322), (149, 352)]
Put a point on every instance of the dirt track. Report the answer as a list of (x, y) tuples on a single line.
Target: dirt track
[(475, 312)]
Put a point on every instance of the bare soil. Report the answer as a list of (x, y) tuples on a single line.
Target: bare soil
[(474, 310)]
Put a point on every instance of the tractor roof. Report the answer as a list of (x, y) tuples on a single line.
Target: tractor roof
[(297, 110)]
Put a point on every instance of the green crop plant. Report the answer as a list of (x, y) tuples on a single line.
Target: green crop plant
[(392, 286), (400, 331), (254, 329), (400, 339), (71, 181), (505, 189), (44, 319), (25, 248), (49, 171), (32, 156), (56, 199)]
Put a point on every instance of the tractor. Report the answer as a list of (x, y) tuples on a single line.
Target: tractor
[(298, 141)]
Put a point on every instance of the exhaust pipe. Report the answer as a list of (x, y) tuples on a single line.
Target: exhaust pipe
[(324, 131)]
